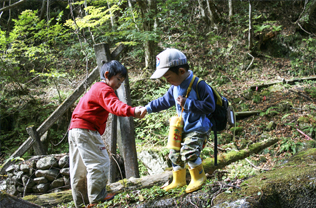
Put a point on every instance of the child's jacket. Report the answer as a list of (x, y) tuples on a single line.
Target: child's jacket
[(94, 107), (195, 110)]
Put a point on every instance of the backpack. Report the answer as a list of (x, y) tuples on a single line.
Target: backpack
[(222, 115)]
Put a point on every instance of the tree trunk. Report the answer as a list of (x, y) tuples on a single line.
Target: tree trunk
[(203, 12), (213, 15), (148, 13), (149, 181), (42, 10), (250, 33), (131, 8), (230, 13), (112, 15), (11, 6)]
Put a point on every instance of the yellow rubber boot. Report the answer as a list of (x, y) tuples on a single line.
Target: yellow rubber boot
[(179, 177), (197, 178)]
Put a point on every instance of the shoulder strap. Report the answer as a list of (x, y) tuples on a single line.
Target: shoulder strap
[(188, 92), (190, 86), (197, 92), (217, 95)]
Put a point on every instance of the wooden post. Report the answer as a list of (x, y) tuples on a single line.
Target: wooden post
[(127, 134), (126, 124), (38, 147), (113, 164)]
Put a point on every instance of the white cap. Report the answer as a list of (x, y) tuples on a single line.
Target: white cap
[(166, 59)]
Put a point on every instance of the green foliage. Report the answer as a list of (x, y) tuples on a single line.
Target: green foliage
[(303, 58), (270, 112), (241, 169), (311, 91), (257, 99), (290, 145)]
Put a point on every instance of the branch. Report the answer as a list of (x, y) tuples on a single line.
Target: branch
[(305, 30), (251, 61), (11, 6)]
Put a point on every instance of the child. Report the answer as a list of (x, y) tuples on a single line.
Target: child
[(89, 160), (172, 65)]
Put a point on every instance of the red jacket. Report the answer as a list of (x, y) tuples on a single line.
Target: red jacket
[(94, 107)]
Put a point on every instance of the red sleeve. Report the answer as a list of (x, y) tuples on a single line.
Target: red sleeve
[(110, 102)]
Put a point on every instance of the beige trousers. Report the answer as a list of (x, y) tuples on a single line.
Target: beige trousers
[(89, 166)]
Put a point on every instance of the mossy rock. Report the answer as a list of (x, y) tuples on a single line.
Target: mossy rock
[(289, 185)]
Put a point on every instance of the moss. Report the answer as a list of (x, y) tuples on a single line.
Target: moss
[(237, 130), (283, 185), (58, 198)]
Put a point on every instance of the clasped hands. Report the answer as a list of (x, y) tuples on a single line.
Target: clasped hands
[(141, 111)]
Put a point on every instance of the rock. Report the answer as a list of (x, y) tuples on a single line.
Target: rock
[(64, 162), (12, 168), (66, 180), (11, 189), (41, 188), (27, 181), (65, 171), (47, 162), (3, 185), (25, 168), (40, 180), (153, 161), (57, 183), (51, 174)]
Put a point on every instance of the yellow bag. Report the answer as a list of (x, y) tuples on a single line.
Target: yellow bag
[(176, 127)]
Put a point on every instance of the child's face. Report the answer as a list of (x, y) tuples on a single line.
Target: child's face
[(173, 78), (115, 81)]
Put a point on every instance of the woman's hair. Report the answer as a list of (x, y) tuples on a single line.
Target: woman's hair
[(113, 67), (175, 69)]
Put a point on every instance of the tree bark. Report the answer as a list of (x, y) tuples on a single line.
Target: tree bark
[(250, 33), (11, 6), (112, 16), (203, 12), (148, 12), (42, 10), (155, 180), (230, 7), (214, 18)]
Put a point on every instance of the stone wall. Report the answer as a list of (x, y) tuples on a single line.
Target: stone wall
[(40, 174)]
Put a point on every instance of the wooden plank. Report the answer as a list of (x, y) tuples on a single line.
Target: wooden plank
[(53, 117), (246, 113), (291, 81), (38, 147), (68, 102)]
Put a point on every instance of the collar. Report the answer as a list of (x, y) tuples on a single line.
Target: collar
[(187, 81)]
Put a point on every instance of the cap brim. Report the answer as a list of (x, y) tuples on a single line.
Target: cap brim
[(159, 73)]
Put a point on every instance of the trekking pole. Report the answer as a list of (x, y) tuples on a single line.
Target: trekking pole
[(215, 147)]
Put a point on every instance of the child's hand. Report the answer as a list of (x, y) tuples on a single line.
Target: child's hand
[(181, 100), (143, 112), (140, 112)]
